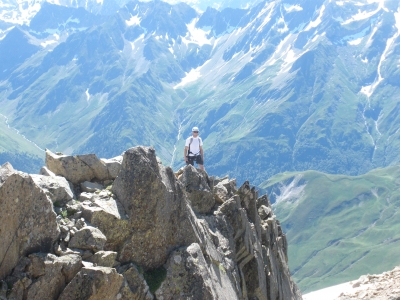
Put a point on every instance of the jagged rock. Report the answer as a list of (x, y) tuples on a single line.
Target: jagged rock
[(77, 168), (155, 205), (197, 186), (91, 187), (56, 187), (46, 172), (264, 212), (50, 274), (94, 283), (134, 286), (28, 222), (220, 193), (88, 238), (5, 171), (238, 252), (113, 165), (104, 258), (189, 274), (230, 186)]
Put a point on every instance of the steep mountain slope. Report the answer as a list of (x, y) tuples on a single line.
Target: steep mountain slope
[(279, 86), (338, 227), (18, 150)]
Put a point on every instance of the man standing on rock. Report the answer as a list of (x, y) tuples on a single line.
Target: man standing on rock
[(193, 151)]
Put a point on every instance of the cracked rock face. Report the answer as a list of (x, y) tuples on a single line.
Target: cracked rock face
[(28, 222), (154, 204)]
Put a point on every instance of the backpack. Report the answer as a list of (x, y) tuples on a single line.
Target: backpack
[(190, 142)]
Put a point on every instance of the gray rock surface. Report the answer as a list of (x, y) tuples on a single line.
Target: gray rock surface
[(88, 238), (197, 186), (46, 172), (50, 274), (77, 169), (113, 165), (155, 205), (382, 286), (190, 235), (107, 214), (134, 286), (220, 193), (56, 187), (91, 187), (28, 222), (103, 258), (94, 283), (190, 274)]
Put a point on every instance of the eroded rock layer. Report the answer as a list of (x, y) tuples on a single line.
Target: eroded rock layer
[(129, 228)]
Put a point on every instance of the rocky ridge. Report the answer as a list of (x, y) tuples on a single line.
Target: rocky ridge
[(385, 286), (131, 228)]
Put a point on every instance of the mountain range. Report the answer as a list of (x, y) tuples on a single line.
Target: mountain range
[(280, 86), (275, 86)]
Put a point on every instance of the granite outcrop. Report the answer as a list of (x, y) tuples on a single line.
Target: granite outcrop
[(130, 228)]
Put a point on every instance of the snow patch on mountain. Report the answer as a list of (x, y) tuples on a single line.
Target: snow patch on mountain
[(191, 76), (369, 90), (291, 8), (318, 21), (268, 9), (357, 38), (196, 35), (87, 95), (19, 12), (53, 39), (362, 15), (133, 21), (355, 42)]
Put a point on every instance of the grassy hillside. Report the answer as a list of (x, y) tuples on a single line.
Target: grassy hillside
[(338, 227), (21, 153)]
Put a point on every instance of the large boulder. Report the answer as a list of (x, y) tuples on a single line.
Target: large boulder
[(50, 274), (156, 206), (108, 215), (28, 222), (56, 187), (197, 186), (81, 168), (94, 283)]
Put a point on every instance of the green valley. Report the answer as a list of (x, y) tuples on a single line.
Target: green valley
[(338, 227)]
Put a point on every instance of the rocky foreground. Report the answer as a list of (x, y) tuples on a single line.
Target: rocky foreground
[(129, 228)]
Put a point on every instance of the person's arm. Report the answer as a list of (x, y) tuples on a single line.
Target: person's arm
[(185, 152)]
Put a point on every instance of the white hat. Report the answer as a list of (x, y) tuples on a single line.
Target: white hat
[(195, 129)]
